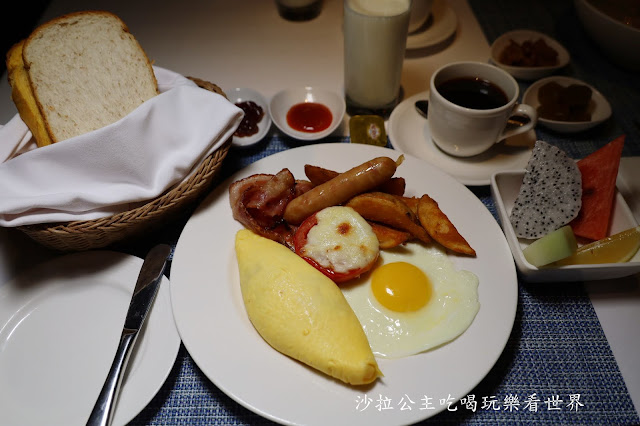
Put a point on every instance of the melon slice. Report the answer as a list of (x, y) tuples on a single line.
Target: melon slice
[(550, 194), (599, 171), (554, 246)]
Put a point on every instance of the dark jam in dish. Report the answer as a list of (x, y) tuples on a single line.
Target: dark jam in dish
[(309, 117), (253, 113)]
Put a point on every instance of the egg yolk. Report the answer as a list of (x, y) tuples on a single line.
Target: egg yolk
[(401, 286)]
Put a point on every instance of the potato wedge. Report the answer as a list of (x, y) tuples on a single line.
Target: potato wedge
[(389, 237), (388, 210), (440, 227), (318, 175), (412, 203)]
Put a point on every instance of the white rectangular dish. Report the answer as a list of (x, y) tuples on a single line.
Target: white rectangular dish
[(504, 189)]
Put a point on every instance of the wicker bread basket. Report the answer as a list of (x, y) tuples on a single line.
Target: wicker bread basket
[(98, 233)]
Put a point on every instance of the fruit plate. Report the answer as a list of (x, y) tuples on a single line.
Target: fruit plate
[(504, 189), (214, 327)]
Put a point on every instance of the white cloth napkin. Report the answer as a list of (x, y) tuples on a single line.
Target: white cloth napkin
[(110, 169)]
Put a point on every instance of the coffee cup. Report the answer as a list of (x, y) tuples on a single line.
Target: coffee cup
[(470, 107)]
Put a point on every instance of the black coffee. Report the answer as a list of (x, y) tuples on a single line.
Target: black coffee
[(474, 93)]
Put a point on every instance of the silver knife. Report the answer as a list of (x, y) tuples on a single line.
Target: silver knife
[(144, 293)]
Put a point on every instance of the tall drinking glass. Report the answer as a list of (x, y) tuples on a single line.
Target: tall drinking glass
[(375, 36)]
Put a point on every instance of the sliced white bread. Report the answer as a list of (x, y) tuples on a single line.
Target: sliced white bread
[(23, 96), (86, 71)]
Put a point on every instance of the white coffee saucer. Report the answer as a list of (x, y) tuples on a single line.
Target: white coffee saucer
[(441, 25), (409, 133)]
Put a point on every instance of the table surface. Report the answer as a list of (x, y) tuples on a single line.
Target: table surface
[(246, 44)]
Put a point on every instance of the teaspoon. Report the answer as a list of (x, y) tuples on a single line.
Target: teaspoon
[(422, 107)]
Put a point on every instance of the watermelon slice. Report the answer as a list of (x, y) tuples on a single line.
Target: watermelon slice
[(599, 171)]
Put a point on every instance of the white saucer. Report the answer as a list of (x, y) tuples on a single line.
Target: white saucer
[(60, 323), (409, 133), (441, 25)]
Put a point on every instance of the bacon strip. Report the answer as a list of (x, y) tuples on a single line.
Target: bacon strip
[(258, 203)]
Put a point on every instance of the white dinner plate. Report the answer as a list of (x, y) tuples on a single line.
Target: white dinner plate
[(440, 26), (60, 324), (409, 133), (215, 329)]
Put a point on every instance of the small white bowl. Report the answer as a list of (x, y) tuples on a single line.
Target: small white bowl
[(242, 94), (285, 99), (599, 106), (528, 73), (504, 189)]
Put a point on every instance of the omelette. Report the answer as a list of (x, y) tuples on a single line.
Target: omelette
[(300, 312)]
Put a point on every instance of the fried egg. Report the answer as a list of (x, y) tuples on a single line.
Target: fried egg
[(413, 300)]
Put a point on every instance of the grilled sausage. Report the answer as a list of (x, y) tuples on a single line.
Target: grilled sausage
[(318, 175), (340, 189)]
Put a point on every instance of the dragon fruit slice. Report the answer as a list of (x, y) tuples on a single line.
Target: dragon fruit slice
[(551, 193)]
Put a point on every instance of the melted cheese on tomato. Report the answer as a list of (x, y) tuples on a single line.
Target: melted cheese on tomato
[(342, 240)]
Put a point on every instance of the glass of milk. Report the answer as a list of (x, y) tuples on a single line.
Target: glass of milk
[(375, 36)]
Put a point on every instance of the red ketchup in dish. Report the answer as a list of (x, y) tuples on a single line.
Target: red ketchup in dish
[(253, 113), (309, 117)]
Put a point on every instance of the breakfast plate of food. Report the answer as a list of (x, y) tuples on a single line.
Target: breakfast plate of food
[(257, 307)]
